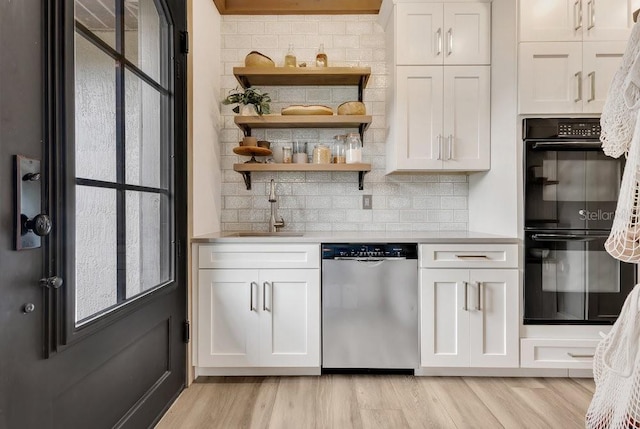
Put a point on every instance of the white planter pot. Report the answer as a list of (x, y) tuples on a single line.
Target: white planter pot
[(248, 110)]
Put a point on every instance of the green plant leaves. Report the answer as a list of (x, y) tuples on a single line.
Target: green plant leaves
[(249, 96)]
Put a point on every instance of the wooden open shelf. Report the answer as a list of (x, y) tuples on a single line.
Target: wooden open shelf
[(246, 123), (291, 76), (246, 169)]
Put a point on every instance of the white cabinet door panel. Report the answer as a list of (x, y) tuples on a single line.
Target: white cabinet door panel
[(550, 20), (419, 37), (493, 318), (467, 27), (419, 114), (290, 311), (600, 62), (550, 78), (444, 322), (467, 106), (227, 322), (608, 19)]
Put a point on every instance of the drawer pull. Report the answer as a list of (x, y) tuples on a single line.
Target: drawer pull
[(472, 257), (580, 355)]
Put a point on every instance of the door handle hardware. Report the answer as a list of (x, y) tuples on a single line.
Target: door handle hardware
[(479, 300), (592, 81), (439, 41), (472, 257), (577, 15), (28, 308), (53, 282), (439, 158), (450, 143), (465, 307), (29, 222), (251, 285), (591, 11), (31, 177), (449, 42), (264, 297), (580, 355), (40, 225), (578, 75)]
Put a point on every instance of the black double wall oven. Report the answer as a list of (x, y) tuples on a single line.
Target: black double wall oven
[(571, 192)]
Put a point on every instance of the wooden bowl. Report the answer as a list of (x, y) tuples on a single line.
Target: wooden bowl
[(256, 59)]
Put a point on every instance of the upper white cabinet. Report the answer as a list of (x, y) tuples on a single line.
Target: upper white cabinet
[(576, 20), (443, 119), (450, 33), (566, 77), (439, 93)]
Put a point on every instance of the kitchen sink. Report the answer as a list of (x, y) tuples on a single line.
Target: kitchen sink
[(264, 234)]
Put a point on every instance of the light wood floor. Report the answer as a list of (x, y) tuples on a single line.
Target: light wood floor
[(381, 401)]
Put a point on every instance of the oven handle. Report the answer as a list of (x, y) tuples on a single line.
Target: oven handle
[(567, 145), (567, 237)]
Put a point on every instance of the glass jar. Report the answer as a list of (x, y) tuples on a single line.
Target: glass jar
[(300, 152), (321, 154), (286, 155), (354, 148), (339, 149)]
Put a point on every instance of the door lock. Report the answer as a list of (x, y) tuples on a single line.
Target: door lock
[(40, 224), (51, 282)]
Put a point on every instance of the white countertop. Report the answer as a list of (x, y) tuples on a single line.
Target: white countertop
[(360, 237)]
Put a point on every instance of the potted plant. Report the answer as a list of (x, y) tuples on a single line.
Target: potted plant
[(250, 97)]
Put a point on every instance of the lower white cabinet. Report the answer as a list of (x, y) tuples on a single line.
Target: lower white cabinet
[(258, 317), (469, 317)]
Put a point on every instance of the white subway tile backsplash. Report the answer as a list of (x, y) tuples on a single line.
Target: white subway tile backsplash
[(327, 201)]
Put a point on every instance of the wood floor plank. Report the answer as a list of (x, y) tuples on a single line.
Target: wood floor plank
[(421, 408), (185, 408), (295, 405), (464, 407), (383, 419), (550, 407), (338, 403), (587, 383), (263, 406), (498, 396), (375, 392), (576, 397)]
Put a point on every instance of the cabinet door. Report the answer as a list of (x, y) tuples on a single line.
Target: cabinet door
[(290, 318), (467, 33), (551, 20), (444, 318), (493, 318), (600, 62), (467, 106), (550, 78), (419, 36), (607, 20), (228, 318), (418, 118)]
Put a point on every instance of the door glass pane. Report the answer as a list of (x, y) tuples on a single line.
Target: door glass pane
[(95, 104), (144, 130), (99, 16), (148, 247), (143, 38), (96, 250)]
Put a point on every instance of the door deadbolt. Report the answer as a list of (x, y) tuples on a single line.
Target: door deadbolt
[(51, 282), (40, 224)]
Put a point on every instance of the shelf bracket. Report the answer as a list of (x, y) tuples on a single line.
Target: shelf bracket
[(361, 179), (361, 128), (361, 89), (246, 175)]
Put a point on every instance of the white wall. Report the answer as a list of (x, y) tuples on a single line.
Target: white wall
[(205, 108), (494, 195)]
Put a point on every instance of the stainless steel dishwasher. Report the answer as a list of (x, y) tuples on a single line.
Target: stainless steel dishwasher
[(370, 306)]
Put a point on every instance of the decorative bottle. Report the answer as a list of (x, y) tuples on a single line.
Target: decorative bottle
[(354, 148), (290, 58), (321, 57)]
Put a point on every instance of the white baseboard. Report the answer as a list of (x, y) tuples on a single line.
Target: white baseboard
[(207, 372)]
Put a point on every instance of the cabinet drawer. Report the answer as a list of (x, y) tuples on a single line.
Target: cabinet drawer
[(259, 256), (557, 353), (469, 256)]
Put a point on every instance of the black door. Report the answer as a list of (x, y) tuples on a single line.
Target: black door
[(95, 92)]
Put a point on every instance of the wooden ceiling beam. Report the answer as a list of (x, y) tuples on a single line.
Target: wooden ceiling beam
[(297, 7)]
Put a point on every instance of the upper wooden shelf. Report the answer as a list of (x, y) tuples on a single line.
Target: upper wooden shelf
[(278, 76), (246, 123)]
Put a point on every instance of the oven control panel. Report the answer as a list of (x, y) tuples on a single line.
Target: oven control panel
[(578, 129)]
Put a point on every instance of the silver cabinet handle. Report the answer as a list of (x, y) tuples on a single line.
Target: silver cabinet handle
[(591, 10), (592, 81), (450, 142), (439, 147), (439, 41), (580, 355), (472, 257), (251, 285), (264, 297), (449, 42), (577, 15), (465, 307), (578, 75), (479, 300)]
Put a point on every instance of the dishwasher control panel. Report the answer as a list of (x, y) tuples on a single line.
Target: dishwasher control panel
[(369, 250)]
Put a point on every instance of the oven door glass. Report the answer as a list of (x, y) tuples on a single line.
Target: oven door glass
[(569, 188), (570, 278)]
